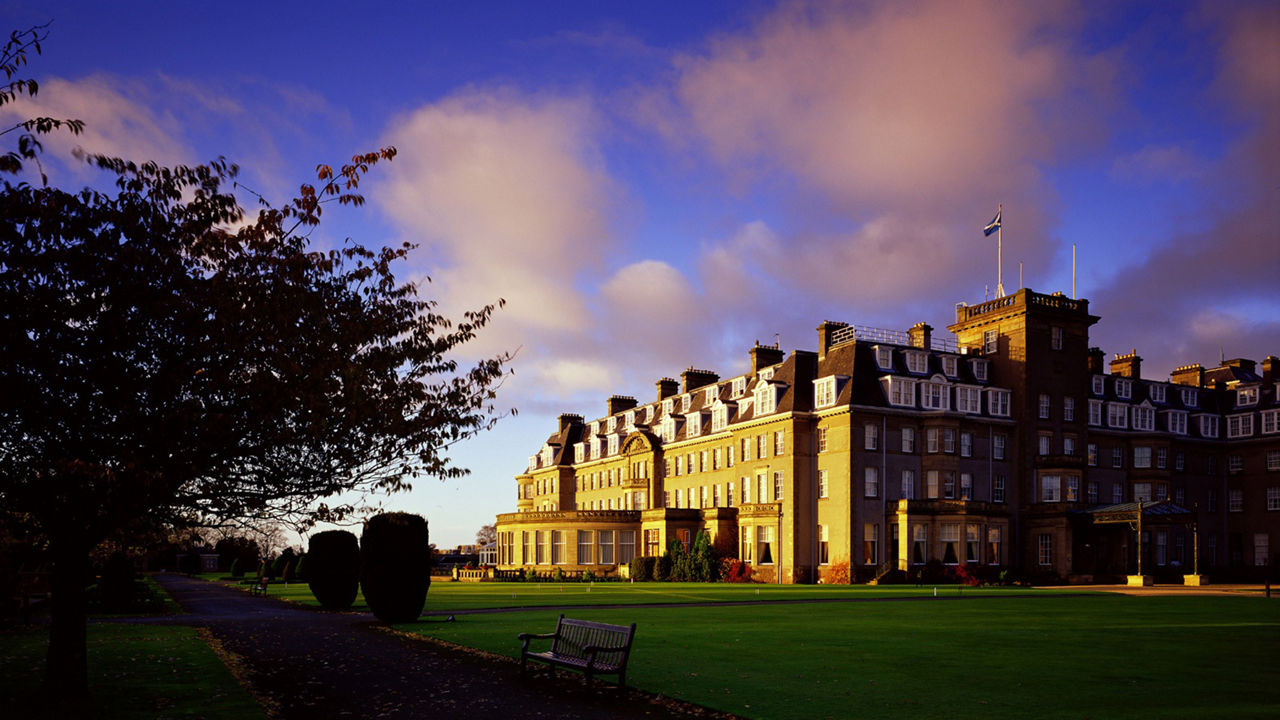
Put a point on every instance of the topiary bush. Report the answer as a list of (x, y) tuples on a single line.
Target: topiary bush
[(333, 568), (395, 566), (642, 568), (662, 568)]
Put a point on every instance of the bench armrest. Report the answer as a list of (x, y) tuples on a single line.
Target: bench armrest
[(591, 651), (524, 638)]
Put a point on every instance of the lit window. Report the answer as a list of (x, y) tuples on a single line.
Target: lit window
[(1073, 489), (993, 545), (1246, 396), (1092, 455), (870, 540), (966, 486)]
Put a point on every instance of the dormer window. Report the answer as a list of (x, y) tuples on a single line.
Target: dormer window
[(693, 425), (1240, 425), (935, 395), (900, 391), (766, 374), (824, 392), (1144, 417), (629, 420), (969, 399), (547, 453), (1124, 388), (1190, 397), (1209, 426), (533, 462), (766, 398), (684, 403), (1246, 396), (719, 418), (1117, 415), (611, 424), (884, 357), (595, 447), (1157, 392), (667, 430), (998, 402), (710, 395), (579, 452), (1098, 385), (979, 369), (1176, 421), (950, 365), (668, 406), (613, 444), (594, 428), (739, 387), (648, 414), (917, 362)]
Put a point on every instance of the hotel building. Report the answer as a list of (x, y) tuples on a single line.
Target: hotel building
[(1007, 444)]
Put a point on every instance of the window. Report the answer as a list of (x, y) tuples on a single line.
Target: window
[(1235, 464), (715, 459), (822, 439), (684, 403), (1273, 497), (729, 458), (1162, 547), (762, 487), (1117, 457), (917, 362), (966, 444), (919, 543), (870, 436), (1050, 488), (998, 402), (1117, 493), (1235, 500), (1162, 458), (931, 484), (1117, 415), (993, 545), (1212, 501), (579, 452), (908, 440), (902, 392), (1044, 546), (693, 425), (1240, 425), (870, 534), (746, 449), (1068, 409), (1209, 426), (822, 484), (710, 394), (1180, 461), (979, 370), (1091, 490), (950, 535), (762, 446), (1097, 387), (968, 399), (1095, 412), (972, 536), (540, 546), (1073, 488), (931, 440), (949, 485), (605, 547), (990, 342), (824, 392), (1045, 440), (1044, 406), (948, 440), (764, 536), (1177, 422), (1270, 422), (997, 489), (884, 358), (779, 442), (738, 387), (998, 443), (777, 486), (1092, 457), (908, 484), (1142, 457), (765, 399), (1246, 396), (871, 482), (1261, 549), (626, 546), (949, 365), (1157, 393), (1055, 337), (1190, 397), (1144, 418), (746, 491), (1124, 388), (1069, 445), (822, 545), (1273, 460), (966, 486), (557, 547), (719, 418), (934, 396), (748, 545), (728, 495)]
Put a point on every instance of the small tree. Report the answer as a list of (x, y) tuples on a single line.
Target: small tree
[(333, 568), (395, 566), (703, 564)]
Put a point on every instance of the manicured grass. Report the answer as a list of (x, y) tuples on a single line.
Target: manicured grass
[(135, 671), (450, 596), (1102, 656)]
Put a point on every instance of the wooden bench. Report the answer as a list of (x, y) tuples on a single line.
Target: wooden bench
[(260, 589), (589, 647)]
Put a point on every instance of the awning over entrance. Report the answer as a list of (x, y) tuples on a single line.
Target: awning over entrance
[(1161, 512)]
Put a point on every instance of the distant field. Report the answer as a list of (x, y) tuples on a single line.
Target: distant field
[(1099, 656)]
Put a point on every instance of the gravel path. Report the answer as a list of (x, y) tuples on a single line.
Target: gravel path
[(311, 664)]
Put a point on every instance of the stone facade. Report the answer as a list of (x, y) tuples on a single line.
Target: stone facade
[(885, 450)]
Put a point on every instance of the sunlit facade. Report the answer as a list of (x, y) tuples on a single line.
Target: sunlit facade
[(886, 450)]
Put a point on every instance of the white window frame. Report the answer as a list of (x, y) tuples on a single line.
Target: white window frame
[(1270, 424), (1068, 409), (719, 418), (1098, 385), (824, 478), (998, 402), (1209, 426), (766, 399), (1246, 396), (1144, 417), (908, 440), (739, 387), (1190, 397), (884, 357), (824, 392), (950, 366), (968, 399), (1095, 412), (1124, 388), (1046, 406), (1117, 415), (1157, 392), (917, 362), (935, 395), (1240, 425), (990, 342), (979, 368), (900, 391), (1176, 421)]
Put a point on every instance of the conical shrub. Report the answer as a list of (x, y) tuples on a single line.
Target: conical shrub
[(395, 566), (333, 568)]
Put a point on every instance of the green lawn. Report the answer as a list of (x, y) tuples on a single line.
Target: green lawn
[(135, 671), (1103, 656)]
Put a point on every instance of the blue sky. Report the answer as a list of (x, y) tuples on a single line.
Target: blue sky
[(657, 185)]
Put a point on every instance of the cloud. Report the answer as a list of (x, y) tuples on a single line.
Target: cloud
[(1156, 164)]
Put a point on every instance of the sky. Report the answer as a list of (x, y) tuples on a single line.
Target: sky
[(655, 185)]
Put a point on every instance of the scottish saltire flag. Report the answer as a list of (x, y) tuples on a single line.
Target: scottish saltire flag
[(994, 224)]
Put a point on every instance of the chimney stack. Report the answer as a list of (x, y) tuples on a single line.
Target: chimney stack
[(762, 356), (1192, 375), (1269, 368), (826, 330), (569, 419), (920, 335), (1129, 365), (666, 388), (693, 379), (618, 403)]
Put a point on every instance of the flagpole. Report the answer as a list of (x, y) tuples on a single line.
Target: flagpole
[(1000, 251)]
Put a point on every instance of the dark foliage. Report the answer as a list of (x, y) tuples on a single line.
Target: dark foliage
[(333, 568), (395, 566), (115, 585), (642, 568)]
